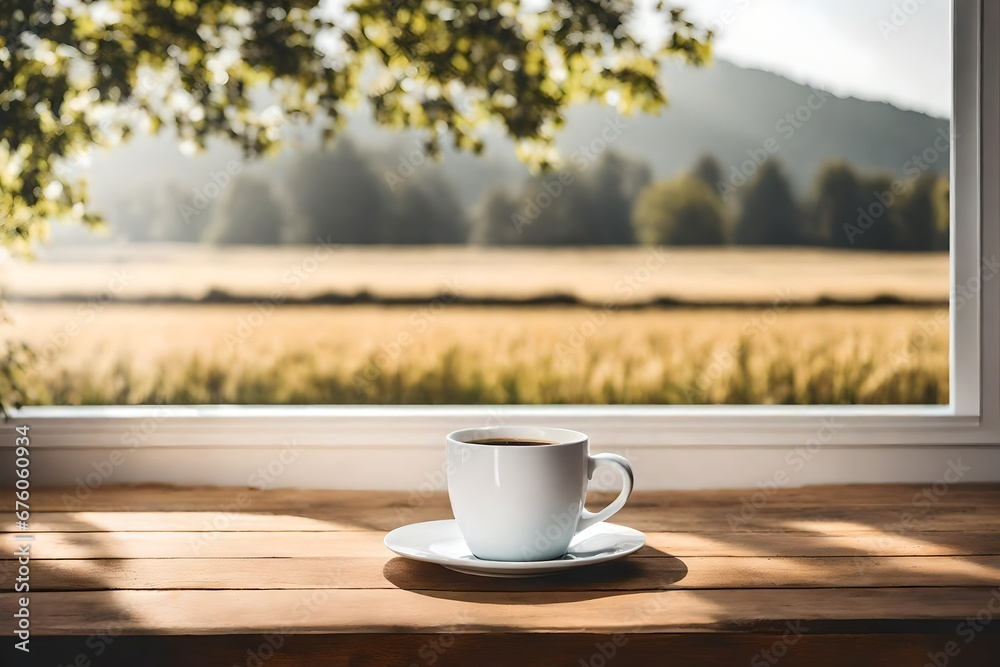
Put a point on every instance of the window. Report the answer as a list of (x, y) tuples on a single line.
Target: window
[(597, 315)]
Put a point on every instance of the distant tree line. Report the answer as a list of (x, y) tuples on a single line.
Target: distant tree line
[(341, 195), (844, 209)]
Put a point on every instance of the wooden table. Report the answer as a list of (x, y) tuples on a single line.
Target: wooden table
[(840, 576)]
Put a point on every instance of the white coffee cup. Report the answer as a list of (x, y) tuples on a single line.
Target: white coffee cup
[(525, 502)]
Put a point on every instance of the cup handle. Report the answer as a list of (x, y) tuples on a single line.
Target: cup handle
[(588, 518)]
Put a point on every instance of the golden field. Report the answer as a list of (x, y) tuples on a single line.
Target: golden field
[(698, 275), (456, 354), (100, 338)]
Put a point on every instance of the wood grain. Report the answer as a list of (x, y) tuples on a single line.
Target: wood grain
[(818, 520), (199, 612), (639, 574), (879, 575), (317, 544)]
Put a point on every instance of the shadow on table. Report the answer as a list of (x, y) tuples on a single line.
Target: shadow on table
[(72, 591), (651, 569)]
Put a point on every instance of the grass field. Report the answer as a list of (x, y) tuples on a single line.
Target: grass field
[(100, 340), (450, 354)]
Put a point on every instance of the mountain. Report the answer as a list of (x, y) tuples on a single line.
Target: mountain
[(728, 110), (725, 110)]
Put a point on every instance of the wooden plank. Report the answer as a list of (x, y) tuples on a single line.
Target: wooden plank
[(198, 612), (861, 569), (207, 522), (634, 574), (524, 650), (171, 498), (294, 544), (833, 519)]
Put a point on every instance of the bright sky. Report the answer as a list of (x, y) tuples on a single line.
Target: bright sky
[(851, 47)]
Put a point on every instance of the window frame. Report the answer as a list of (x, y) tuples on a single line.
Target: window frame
[(71, 436)]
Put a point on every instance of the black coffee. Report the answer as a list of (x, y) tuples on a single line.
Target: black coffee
[(509, 442)]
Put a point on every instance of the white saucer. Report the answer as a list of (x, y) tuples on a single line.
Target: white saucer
[(441, 542)]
